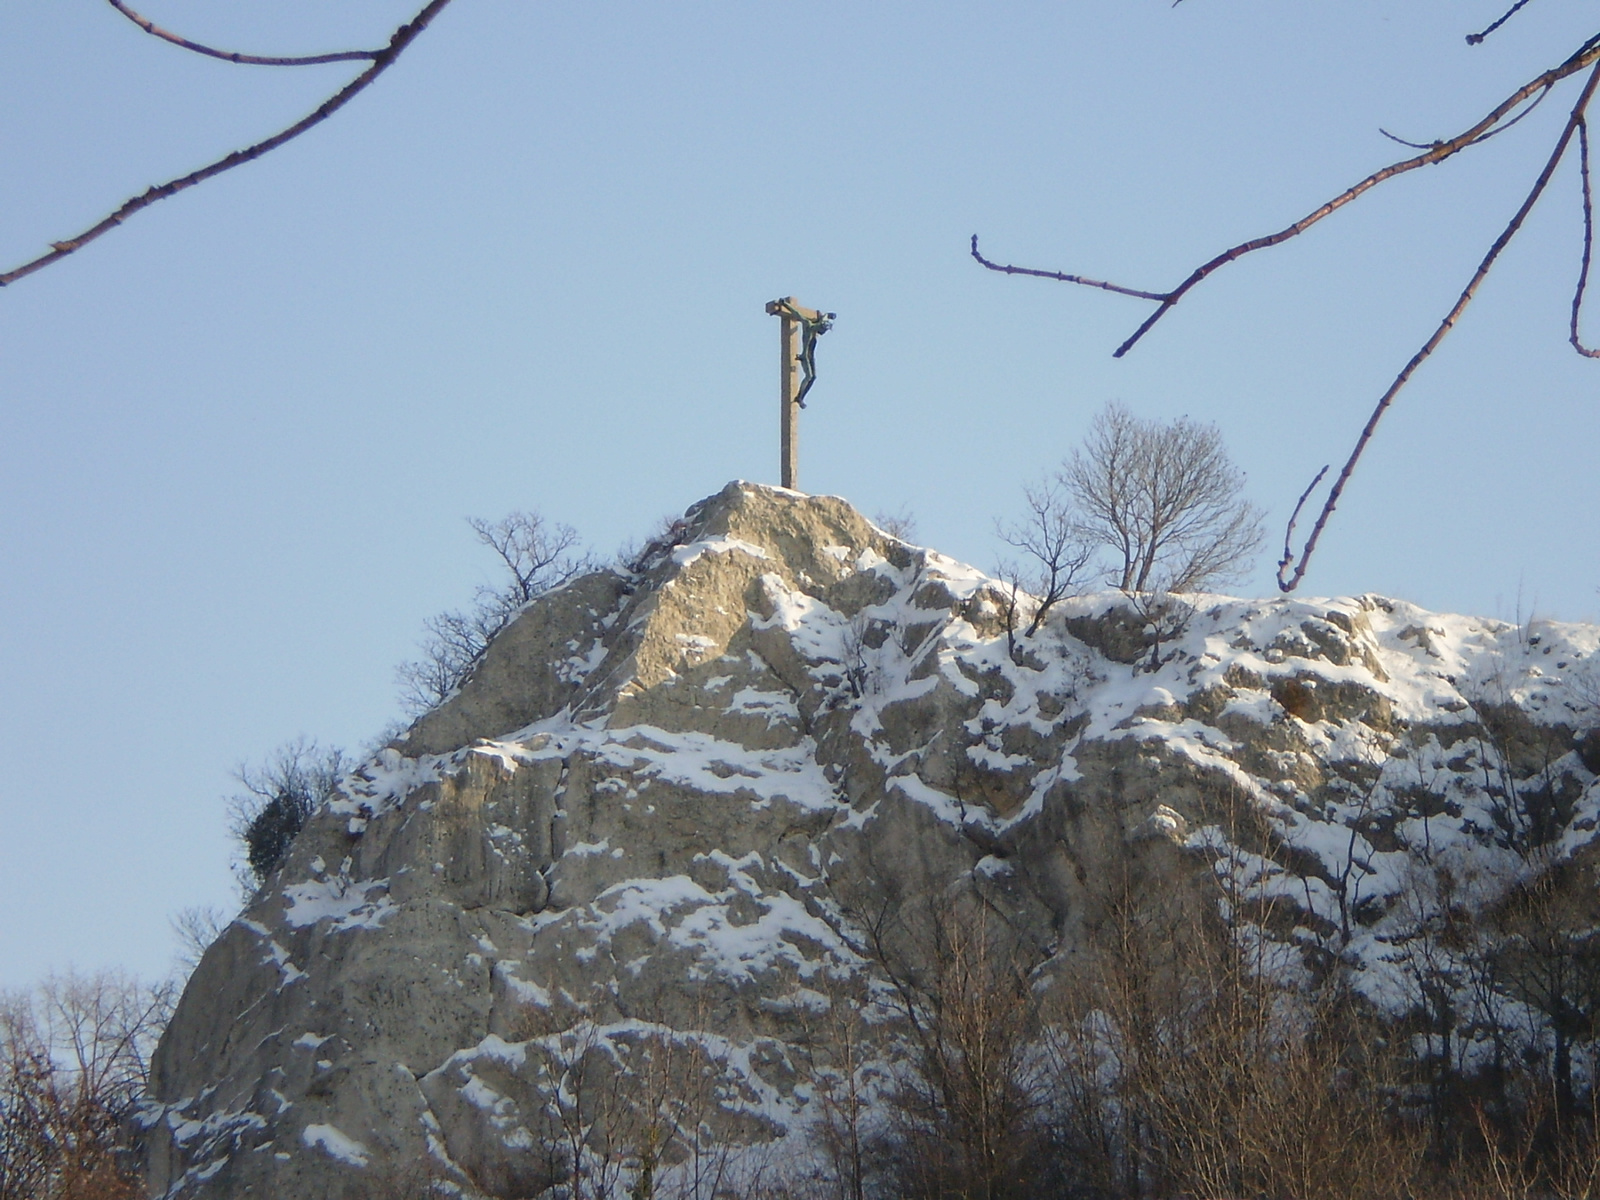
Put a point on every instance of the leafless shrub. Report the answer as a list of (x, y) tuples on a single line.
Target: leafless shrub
[(423, 1180), (1519, 759), (537, 556), (1166, 617), (1185, 1069), (671, 530), (1521, 1161), (900, 524), (1058, 551), (859, 655)]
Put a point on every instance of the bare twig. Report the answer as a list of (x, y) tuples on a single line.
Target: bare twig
[(1414, 145), (1573, 125), (402, 38), (1064, 278), (1586, 55), (1288, 530), (256, 60), (1474, 38), (1481, 138), (1499, 129), (1588, 241)]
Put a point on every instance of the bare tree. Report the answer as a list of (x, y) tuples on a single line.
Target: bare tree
[(1054, 538), (74, 1061), (1164, 499), (1521, 101), (965, 1118), (1544, 954), (629, 1110), (846, 1080), (196, 927), (378, 60), (538, 556)]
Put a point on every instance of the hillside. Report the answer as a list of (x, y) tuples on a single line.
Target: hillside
[(695, 811)]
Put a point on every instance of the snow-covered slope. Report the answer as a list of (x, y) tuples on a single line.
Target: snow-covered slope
[(672, 800)]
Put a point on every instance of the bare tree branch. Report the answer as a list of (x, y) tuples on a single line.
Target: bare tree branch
[(1483, 137), (1586, 55), (1403, 141), (1474, 38), (1588, 241), (1065, 278), (1574, 124), (1294, 517), (255, 60), (402, 38)]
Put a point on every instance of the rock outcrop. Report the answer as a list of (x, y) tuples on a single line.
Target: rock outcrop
[(682, 800)]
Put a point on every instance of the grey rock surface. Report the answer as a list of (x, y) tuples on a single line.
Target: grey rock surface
[(671, 804)]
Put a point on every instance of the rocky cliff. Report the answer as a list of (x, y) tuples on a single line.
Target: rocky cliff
[(679, 808)]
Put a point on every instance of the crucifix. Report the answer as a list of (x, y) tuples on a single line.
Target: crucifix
[(797, 372)]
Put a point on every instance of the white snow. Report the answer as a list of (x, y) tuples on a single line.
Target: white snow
[(335, 1144)]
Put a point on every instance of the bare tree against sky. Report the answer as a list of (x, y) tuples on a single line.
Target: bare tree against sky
[(74, 1063), (538, 556), (1051, 536), (1292, 565), (380, 60), (1165, 499)]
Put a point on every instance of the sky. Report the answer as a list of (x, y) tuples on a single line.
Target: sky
[(526, 269)]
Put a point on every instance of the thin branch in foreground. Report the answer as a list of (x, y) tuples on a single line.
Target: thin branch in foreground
[(1394, 137), (1574, 124), (402, 38), (255, 60), (1474, 38), (1064, 278), (1586, 55), (1481, 138), (1588, 241), (1294, 517)]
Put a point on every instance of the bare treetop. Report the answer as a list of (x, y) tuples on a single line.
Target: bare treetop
[(1165, 499)]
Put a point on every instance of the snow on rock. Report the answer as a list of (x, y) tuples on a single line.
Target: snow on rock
[(335, 1144), (650, 824)]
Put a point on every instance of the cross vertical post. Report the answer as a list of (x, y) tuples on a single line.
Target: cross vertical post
[(796, 342), (789, 411)]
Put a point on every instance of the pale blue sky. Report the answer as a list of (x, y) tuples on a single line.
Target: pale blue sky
[(526, 269)]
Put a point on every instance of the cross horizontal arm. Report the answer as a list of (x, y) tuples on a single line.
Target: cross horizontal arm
[(790, 307)]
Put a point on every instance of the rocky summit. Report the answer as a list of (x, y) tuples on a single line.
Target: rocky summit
[(688, 805)]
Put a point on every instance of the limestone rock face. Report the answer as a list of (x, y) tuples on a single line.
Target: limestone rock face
[(671, 799)]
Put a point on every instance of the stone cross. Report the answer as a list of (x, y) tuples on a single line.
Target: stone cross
[(801, 328)]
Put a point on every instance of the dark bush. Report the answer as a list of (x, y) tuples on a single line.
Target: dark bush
[(271, 832), (279, 798)]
